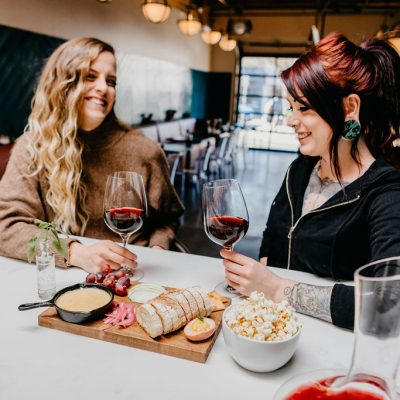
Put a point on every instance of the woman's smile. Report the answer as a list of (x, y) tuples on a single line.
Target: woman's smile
[(303, 135)]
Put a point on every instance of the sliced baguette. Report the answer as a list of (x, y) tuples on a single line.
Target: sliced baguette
[(149, 320)]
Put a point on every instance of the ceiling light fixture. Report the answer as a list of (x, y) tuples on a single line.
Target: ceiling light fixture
[(226, 43), (156, 11), (210, 36), (239, 27), (190, 25)]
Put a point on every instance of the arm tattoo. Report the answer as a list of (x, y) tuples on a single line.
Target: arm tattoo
[(310, 300)]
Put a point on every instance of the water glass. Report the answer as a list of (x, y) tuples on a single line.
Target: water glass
[(46, 271)]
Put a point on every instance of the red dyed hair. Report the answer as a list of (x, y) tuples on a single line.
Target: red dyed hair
[(335, 68)]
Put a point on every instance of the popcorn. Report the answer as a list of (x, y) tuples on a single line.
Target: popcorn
[(261, 319)]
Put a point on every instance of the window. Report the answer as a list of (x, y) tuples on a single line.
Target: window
[(262, 103)]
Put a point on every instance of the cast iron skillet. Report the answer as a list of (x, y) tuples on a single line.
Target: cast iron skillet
[(76, 317)]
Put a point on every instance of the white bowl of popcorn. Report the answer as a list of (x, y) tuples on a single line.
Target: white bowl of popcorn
[(261, 335)]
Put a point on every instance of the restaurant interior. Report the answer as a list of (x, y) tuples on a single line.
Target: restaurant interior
[(199, 77)]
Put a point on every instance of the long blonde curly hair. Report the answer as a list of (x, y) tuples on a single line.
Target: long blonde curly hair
[(55, 148)]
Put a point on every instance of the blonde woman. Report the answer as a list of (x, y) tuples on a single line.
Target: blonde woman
[(59, 166)]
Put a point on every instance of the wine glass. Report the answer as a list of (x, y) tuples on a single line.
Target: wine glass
[(376, 353), (125, 207), (225, 218)]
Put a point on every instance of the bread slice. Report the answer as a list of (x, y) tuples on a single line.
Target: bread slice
[(164, 313), (199, 301), (192, 303), (208, 304), (176, 312), (177, 296), (149, 320)]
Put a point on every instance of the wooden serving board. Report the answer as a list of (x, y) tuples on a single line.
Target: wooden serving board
[(174, 344)]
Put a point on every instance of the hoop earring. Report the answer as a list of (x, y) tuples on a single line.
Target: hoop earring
[(352, 129)]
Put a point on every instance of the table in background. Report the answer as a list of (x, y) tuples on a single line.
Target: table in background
[(38, 363)]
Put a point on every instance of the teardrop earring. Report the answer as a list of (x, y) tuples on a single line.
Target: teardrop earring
[(352, 129)]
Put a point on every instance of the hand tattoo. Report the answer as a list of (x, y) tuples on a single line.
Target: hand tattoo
[(310, 300)]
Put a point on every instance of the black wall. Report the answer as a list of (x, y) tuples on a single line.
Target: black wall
[(21, 59)]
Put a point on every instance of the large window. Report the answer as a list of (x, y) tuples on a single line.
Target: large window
[(262, 103)]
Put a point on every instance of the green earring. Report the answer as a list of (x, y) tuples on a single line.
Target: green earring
[(352, 129)]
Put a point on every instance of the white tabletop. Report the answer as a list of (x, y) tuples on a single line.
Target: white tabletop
[(43, 364)]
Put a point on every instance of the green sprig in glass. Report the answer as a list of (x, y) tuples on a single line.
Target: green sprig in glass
[(48, 232)]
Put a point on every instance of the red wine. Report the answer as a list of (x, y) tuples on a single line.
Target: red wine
[(226, 230), (320, 390), (124, 219)]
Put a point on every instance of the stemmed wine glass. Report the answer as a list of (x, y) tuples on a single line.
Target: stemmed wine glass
[(225, 218), (125, 207)]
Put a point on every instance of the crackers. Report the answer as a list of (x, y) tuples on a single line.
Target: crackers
[(220, 302)]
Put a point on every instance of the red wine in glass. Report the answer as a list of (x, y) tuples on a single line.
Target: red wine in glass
[(225, 217), (322, 390), (125, 207), (227, 230), (124, 219)]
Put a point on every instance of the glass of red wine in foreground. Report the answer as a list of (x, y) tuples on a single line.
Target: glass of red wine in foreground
[(125, 207), (226, 219), (376, 353)]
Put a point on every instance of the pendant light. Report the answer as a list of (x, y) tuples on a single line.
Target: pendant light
[(156, 11), (226, 43), (210, 36), (190, 25)]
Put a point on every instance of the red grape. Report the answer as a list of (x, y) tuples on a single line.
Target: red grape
[(112, 277), (124, 281), (120, 273), (105, 269), (100, 277), (120, 290), (109, 282), (91, 278)]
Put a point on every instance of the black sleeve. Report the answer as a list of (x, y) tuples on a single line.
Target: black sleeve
[(342, 306), (384, 232), (384, 225)]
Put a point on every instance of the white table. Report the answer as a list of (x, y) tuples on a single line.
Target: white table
[(47, 364)]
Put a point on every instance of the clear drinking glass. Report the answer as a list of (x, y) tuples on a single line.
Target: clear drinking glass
[(225, 218), (376, 353), (46, 270), (125, 207)]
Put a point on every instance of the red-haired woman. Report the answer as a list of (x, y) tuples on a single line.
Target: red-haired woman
[(339, 205)]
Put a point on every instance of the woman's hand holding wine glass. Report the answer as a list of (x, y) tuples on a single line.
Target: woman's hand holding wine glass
[(226, 219), (93, 257), (125, 207)]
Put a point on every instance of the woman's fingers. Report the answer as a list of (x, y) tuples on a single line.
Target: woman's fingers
[(236, 257), (234, 268), (116, 248), (236, 279), (120, 260), (111, 253)]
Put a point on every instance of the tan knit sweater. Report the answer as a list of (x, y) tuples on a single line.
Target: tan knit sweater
[(107, 149)]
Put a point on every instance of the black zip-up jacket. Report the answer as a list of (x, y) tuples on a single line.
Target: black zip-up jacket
[(349, 230)]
